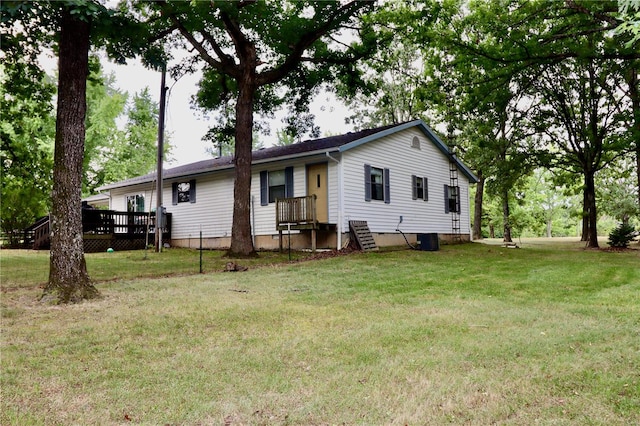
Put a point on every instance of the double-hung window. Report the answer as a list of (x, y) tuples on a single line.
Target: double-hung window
[(451, 199), (420, 188), (277, 184), (135, 203), (376, 184)]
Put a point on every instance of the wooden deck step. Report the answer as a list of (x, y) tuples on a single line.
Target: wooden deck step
[(362, 235)]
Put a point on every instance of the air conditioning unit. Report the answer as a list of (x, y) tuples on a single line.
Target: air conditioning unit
[(429, 242)]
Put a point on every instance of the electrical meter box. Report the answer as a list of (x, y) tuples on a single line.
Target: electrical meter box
[(161, 220)]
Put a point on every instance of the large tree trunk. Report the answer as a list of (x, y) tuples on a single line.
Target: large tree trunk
[(241, 241), (68, 278), (590, 209), (477, 212), (506, 215), (584, 236)]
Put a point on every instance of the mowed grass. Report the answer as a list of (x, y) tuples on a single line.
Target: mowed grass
[(471, 334), (25, 268)]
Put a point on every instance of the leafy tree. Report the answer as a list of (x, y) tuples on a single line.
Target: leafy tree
[(630, 17), (550, 203), (581, 117), (105, 103), (284, 138), (136, 153), (26, 128), (394, 80), (617, 192), (27, 131), (69, 26), (261, 55), (537, 44)]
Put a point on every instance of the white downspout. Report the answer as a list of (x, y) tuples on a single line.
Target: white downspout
[(340, 204), (253, 222)]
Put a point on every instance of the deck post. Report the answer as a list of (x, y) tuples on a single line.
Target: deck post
[(280, 239)]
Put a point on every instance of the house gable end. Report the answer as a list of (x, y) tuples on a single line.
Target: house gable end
[(426, 131)]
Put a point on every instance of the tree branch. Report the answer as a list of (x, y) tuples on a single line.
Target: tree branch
[(305, 41), (571, 4), (223, 63)]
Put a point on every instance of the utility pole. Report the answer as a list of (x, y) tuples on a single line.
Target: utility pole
[(160, 219)]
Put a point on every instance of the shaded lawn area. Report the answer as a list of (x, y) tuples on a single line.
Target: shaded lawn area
[(25, 268), (471, 334)]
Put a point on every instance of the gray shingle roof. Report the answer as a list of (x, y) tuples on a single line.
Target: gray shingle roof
[(294, 150)]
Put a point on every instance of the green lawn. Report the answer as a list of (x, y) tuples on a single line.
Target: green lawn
[(471, 334)]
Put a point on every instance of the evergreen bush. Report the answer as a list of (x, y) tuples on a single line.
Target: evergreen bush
[(622, 236)]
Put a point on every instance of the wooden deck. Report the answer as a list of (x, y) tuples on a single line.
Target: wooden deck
[(103, 229)]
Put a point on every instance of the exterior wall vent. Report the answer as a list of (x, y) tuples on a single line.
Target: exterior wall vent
[(415, 142)]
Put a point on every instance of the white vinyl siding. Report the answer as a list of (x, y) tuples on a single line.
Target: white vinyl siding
[(395, 152), (264, 216), (213, 212)]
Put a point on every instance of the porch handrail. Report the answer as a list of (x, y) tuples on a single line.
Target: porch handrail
[(296, 210)]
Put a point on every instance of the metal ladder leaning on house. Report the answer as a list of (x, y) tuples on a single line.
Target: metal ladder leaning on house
[(455, 215)]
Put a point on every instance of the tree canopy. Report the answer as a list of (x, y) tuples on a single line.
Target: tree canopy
[(516, 85), (258, 56)]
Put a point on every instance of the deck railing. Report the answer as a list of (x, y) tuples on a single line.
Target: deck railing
[(103, 222), (296, 211), (41, 234), (126, 225)]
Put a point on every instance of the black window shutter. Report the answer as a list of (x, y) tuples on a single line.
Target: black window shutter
[(288, 182), (387, 187), (446, 198), (264, 189), (192, 191), (425, 188), (174, 191), (414, 188), (367, 182)]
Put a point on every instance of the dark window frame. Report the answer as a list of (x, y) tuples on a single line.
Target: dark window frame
[(451, 199), (268, 192), (182, 195), (377, 190), (419, 188)]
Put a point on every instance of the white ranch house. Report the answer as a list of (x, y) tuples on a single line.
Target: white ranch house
[(384, 176)]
